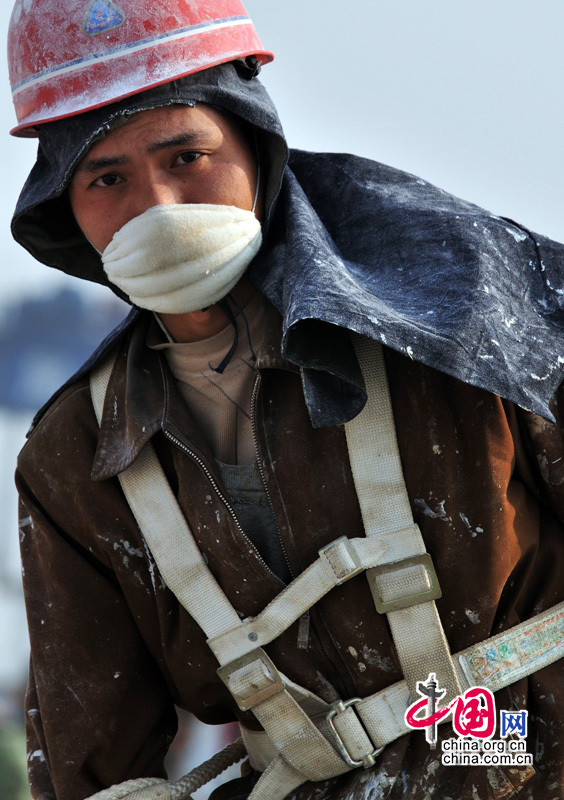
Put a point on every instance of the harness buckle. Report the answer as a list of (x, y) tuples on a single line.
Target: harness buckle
[(432, 592), (367, 760), (251, 678), (341, 560)]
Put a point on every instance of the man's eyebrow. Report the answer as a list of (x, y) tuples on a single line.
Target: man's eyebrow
[(91, 165), (189, 139)]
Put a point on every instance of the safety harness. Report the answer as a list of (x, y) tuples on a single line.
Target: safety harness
[(305, 738)]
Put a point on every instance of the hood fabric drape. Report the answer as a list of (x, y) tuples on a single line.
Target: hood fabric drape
[(349, 243)]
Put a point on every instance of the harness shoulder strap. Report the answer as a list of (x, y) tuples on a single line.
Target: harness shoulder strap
[(165, 529), (405, 585)]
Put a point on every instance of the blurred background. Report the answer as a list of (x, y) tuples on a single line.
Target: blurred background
[(465, 95)]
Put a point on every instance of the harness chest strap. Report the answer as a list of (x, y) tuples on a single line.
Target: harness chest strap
[(494, 664), (283, 708)]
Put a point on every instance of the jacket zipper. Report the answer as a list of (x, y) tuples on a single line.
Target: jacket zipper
[(202, 464), (305, 622), (261, 470)]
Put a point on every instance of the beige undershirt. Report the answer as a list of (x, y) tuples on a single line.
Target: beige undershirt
[(221, 403)]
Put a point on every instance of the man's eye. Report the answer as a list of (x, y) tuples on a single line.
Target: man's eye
[(187, 158), (108, 180)]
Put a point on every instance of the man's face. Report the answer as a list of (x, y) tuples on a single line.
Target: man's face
[(169, 155)]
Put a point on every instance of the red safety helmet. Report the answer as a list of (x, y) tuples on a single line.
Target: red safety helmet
[(70, 56)]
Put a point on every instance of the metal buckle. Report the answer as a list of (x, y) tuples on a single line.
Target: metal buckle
[(370, 758), (324, 554), (432, 593), (247, 702)]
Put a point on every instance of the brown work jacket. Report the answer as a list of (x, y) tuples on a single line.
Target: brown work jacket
[(112, 650)]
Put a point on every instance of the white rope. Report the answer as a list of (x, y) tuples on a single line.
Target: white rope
[(128, 788), (206, 772), (160, 789)]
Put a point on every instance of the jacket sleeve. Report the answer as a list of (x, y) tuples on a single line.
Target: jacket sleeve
[(98, 708), (546, 442)]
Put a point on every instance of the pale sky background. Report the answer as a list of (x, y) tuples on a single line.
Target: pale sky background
[(466, 95)]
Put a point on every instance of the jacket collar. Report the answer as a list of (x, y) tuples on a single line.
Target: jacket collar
[(142, 399), (134, 406)]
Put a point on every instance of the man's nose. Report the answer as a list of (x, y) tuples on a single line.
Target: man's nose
[(155, 193)]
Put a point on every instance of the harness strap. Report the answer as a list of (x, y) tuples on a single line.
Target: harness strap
[(340, 561), (494, 664), (405, 589), (276, 783), (306, 738)]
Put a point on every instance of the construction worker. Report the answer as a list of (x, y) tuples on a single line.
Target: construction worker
[(206, 516)]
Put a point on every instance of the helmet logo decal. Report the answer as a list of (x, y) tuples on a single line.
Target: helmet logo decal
[(101, 16)]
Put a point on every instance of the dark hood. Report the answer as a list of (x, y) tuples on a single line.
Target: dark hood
[(350, 244), (43, 222)]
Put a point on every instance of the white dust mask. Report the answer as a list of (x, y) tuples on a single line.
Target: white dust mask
[(178, 258)]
